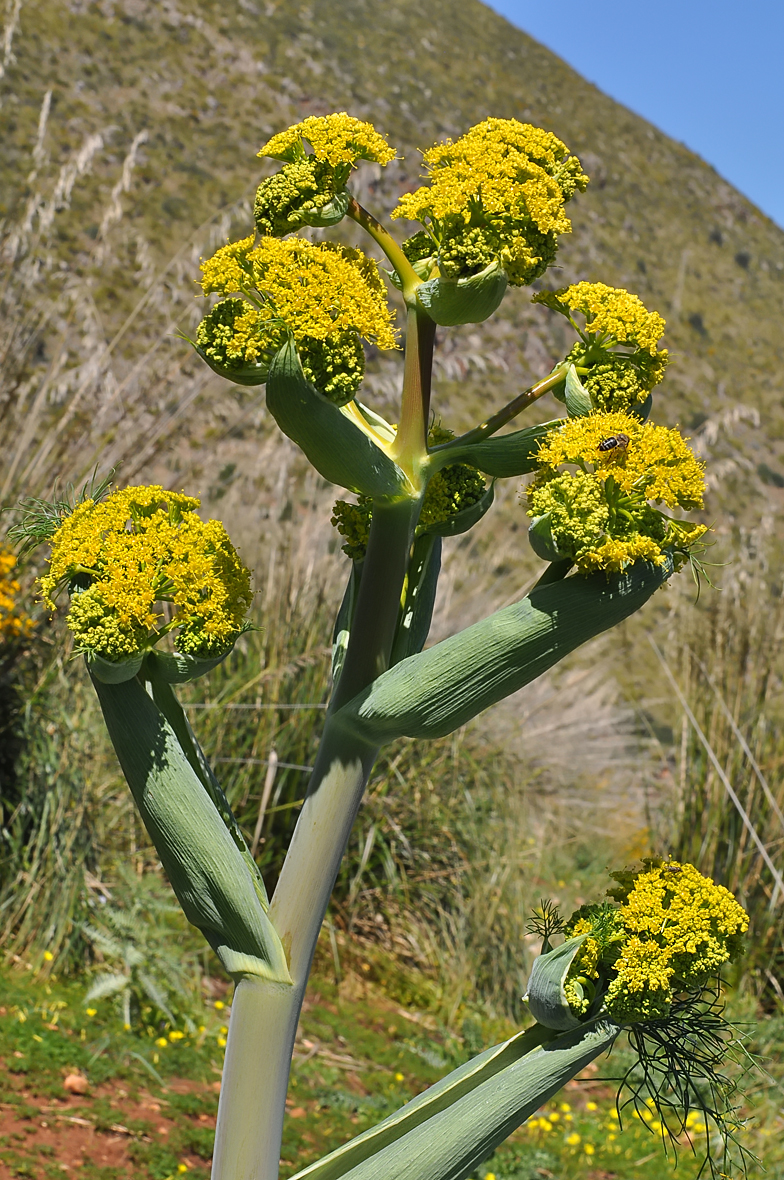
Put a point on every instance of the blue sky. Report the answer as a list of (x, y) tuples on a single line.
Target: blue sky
[(708, 73)]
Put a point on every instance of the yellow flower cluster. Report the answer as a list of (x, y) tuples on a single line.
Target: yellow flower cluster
[(14, 622), (612, 315), (327, 296), (141, 547), (682, 928), (311, 189), (673, 930), (336, 139), (496, 194), (601, 516)]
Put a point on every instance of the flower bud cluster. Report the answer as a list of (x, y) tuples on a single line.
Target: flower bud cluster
[(328, 297), (449, 491), (602, 516), (672, 932), (495, 196), (122, 559)]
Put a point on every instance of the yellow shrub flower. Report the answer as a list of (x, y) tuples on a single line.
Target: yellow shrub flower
[(601, 516), (329, 297), (142, 547), (656, 460), (495, 195), (14, 622), (336, 139)]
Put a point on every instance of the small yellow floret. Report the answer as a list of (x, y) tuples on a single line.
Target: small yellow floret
[(337, 139)]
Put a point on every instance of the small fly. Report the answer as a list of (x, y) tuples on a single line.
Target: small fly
[(615, 442)]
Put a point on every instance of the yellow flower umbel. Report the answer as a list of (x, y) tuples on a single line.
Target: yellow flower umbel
[(328, 297), (14, 622), (618, 343), (495, 196), (141, 564), (672, 932), (602, 516), (311, 187)]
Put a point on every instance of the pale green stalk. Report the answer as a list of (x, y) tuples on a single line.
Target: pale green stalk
[(264, 1017)]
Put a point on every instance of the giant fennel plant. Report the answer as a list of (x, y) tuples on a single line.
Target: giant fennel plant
[(157, 597)]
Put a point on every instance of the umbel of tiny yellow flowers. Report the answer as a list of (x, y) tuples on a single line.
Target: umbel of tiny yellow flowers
[(328, 297), (311, 187), (618, 343), (671, 932), (141, 564), (494, 196), (604, 514)]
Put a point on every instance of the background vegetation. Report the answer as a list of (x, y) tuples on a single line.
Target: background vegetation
[(130, 131)]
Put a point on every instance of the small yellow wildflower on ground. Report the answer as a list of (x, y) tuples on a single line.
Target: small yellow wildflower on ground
[(14, 622)]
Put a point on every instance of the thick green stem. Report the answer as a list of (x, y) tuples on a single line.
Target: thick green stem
[(405, 271), (258, 1053), (410, 447)]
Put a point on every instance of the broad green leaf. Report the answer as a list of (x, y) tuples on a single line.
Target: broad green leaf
[(430, 694), (247, 374), (448, 1144), (502, 456), (462, 1081), (329, 214), (464, 520), (545, 995), (578, 399), (419, 597), (335, 445), (178, 667), (464, 301), (207, 871), (164, 697)]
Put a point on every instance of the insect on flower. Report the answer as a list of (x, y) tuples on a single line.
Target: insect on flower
[(614, 442)]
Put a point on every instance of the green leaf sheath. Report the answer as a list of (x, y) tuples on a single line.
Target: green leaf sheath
[(465, 519), (430, 694), (206, 869), (546, 998), (577, 397), (157, 671), (503, 456), (435, 1099), (419, 598), (452, 1142), (464, 301), (339, 449)]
